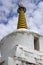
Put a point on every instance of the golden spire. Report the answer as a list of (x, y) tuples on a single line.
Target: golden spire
[(21, 20)]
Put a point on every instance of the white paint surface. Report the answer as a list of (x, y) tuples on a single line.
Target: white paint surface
[(21, 44)]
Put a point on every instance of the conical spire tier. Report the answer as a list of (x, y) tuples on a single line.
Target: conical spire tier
[(21, 19)]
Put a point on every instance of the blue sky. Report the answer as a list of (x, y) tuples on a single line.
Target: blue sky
[(9, 16)]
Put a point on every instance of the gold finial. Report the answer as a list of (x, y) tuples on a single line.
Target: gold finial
[(21, 20)]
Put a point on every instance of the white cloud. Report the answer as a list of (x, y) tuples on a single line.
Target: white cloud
[(35, 21), (34, 16), (4, 30), (38, 17)]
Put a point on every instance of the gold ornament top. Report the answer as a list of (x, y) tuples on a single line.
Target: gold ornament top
[(21, 4)]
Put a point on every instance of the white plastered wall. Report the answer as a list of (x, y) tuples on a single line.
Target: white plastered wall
[(9, 61), (41, 43), (23, 38)]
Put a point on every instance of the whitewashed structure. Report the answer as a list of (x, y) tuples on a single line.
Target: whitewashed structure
[(21, 47)]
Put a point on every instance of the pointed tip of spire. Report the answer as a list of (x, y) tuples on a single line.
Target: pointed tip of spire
[(21, 4)]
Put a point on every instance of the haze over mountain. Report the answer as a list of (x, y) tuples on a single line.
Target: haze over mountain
[(9, 16)]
